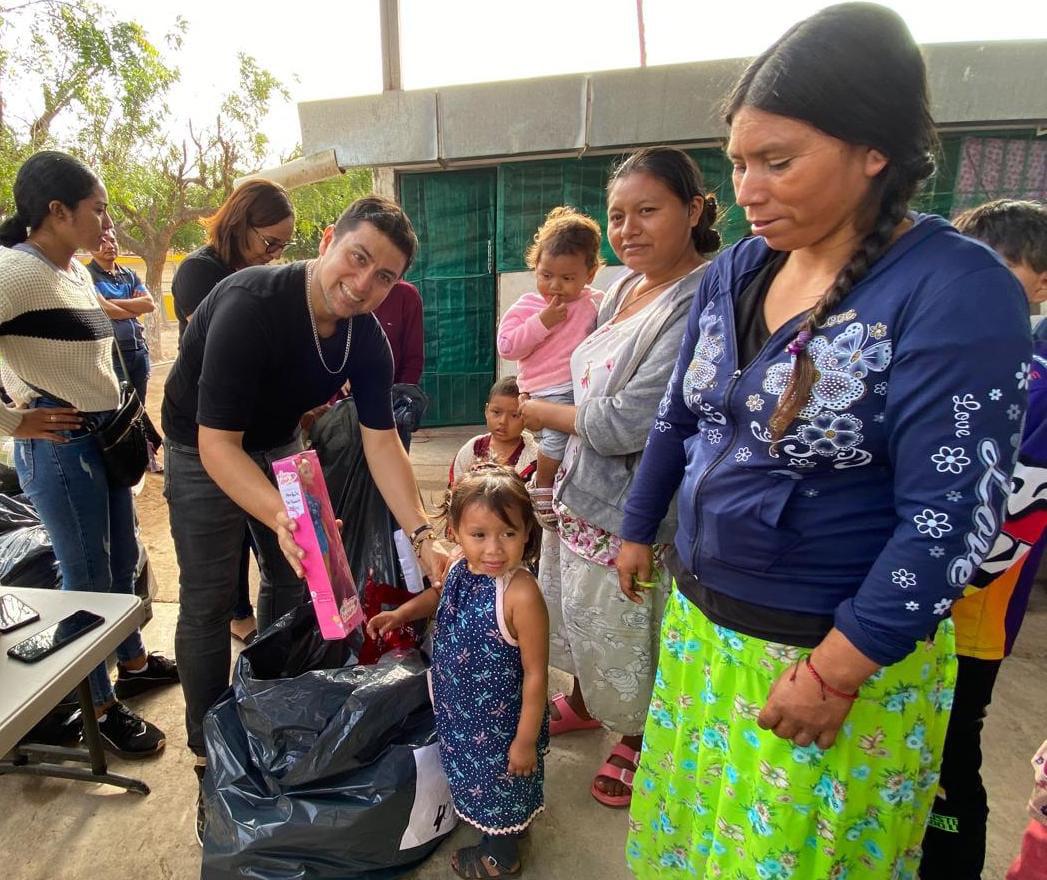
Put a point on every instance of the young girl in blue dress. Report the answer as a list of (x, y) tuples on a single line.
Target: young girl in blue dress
[(490, 666)]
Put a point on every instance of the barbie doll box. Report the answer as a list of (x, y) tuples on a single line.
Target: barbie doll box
[(304, 493)]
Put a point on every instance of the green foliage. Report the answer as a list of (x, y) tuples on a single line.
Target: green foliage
[(318, 205)]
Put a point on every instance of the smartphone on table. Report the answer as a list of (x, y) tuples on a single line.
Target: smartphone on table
[(15, 613), (54, 637)]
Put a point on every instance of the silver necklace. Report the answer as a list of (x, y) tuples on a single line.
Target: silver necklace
[(312, 321)]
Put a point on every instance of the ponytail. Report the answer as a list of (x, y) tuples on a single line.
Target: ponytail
[(13, 230), (705, 237)]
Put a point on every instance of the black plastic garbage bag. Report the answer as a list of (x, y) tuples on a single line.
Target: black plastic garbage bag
[(26, 556), (331, 773), (409, 406), (366, 528)]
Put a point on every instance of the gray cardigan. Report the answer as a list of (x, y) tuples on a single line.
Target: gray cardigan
[(613, 428)]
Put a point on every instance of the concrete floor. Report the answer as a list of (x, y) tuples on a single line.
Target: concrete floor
[(59, 830)]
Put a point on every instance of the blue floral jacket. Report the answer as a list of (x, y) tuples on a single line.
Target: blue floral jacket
[(886, 493)]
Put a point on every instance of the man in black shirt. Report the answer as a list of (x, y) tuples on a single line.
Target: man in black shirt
[(273, 343)]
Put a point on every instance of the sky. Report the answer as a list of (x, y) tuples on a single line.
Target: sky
[(334, 51)]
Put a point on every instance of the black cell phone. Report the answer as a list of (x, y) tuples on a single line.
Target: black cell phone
[(51, 639), (15, 613)]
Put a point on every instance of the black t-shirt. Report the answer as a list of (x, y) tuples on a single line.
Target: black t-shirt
[(248, 362), (193, 280), (773, 624)]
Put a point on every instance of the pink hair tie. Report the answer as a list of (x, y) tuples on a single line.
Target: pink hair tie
[(800, 342)]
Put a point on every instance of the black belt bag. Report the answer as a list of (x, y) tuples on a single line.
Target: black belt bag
[(123, 438)]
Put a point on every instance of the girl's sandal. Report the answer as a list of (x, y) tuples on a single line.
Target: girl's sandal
[(472, 863)]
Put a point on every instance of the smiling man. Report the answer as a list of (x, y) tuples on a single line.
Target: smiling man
[(250, 365)]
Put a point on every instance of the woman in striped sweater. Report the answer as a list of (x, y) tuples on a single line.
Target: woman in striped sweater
[(57, 350)]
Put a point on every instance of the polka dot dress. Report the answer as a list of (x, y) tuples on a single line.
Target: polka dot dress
[(477, 680)]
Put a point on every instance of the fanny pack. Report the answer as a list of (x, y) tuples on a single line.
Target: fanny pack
[(123, 439)]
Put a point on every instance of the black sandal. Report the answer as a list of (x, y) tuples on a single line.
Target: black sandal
[(475, 863)]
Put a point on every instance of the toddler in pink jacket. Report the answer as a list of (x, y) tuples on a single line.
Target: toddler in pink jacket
[(541, 330)]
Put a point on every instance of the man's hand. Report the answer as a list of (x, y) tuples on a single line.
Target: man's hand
[(285, 528)]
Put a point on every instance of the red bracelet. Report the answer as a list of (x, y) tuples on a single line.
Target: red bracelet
[(825, 686)]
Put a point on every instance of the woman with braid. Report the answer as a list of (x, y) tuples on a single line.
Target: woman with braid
[(841, 427)]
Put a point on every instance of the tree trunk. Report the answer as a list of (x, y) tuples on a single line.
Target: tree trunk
[(154, 277)]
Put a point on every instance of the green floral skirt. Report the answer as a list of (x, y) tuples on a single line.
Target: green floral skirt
[(717, 797)]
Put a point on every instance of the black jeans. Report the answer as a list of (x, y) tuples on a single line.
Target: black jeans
[(954, 845), (208, 532)]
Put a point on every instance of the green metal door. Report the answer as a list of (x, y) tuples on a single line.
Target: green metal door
[(453, 213)]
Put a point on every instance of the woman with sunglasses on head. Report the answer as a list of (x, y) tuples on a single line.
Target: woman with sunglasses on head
[(251, 228), (839, 433)]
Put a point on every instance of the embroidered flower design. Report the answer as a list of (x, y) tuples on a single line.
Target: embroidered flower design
[(931, 523), (941, 606), (743, 454), (912, 606), (878, 330), (754, 402), (1023, 375), (714, 436), (995, 394), (708, 351), (811, 493), (828, 433), (880, 387), (937, 552), (903, 578), (950, 460), (1014, 412), (661, 426), (954, 496)]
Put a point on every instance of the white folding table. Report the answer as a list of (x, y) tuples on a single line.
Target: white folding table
[(28, 691)]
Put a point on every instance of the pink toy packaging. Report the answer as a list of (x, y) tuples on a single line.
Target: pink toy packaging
[(304, 493)]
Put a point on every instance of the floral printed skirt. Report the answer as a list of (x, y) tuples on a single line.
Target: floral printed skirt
[(715, 796), (596, 634)]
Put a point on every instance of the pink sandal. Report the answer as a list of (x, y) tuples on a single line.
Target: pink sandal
[(569, 719), (619, 774)]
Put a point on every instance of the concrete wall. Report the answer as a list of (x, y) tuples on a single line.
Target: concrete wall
[(971, 84)]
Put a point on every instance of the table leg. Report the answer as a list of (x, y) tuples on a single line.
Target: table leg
[(22, 762)]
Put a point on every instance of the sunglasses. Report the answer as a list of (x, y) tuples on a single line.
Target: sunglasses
[(273, 245)]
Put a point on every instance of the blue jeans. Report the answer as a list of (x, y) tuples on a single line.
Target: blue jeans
[(208, 531), (90, 523), (137, 361)]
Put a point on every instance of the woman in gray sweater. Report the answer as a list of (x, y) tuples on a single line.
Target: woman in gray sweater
[(660, 226)]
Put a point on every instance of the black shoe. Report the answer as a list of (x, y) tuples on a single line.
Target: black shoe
[(201, 813), (127, 735), (62, 726), (158, 672)]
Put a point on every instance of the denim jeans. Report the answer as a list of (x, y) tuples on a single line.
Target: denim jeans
[(90, 523), (137, 361), (208, 531)]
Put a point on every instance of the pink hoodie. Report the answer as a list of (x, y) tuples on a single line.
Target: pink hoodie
[(544, 355)]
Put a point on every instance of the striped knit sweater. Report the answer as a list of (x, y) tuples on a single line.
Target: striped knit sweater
[(54, 335)]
